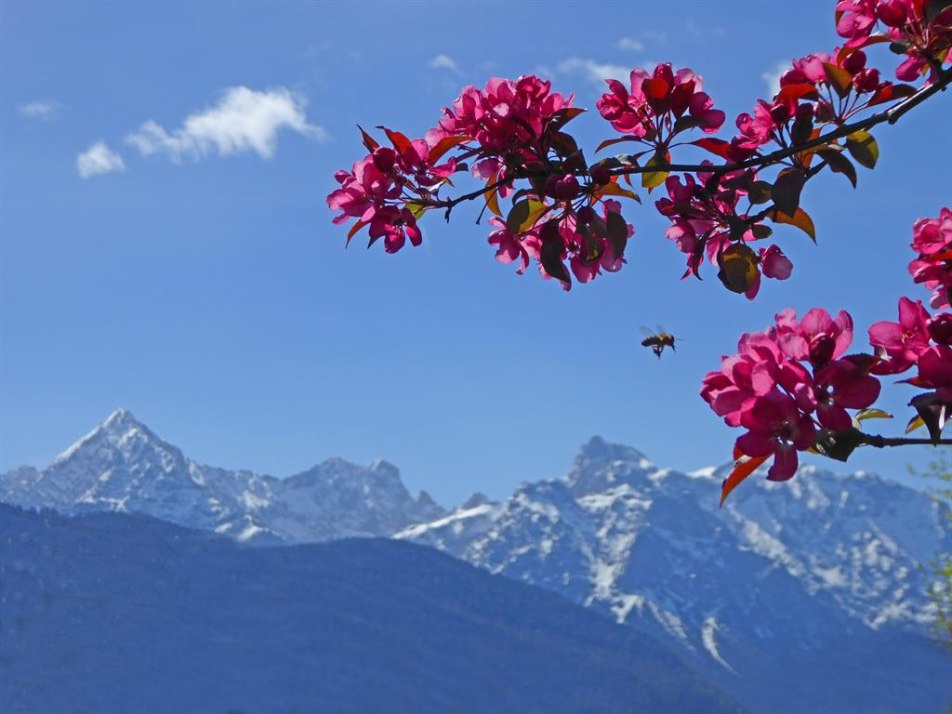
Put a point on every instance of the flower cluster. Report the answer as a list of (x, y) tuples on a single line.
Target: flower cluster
[(705, 220), (589, 242), (932, 240), (658, 105), (563, 213), (788, 382), (919, 29), (817, 89), (790, 386), (380, 186), (510, 120)]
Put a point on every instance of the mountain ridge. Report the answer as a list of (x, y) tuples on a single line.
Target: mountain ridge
[(802, 575)]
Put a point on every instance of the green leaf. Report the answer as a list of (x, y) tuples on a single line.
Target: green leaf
[(787, 189), (872, 414), (760, 192), (550, 255), (865, 414), (617, 230), (517, 216), (839, 78), (801, 219), (537, 209), (613, 189), (839, 164), (653, 179), (417, 209), (738, 268), (915, 423), (492, 195), (863, 147)]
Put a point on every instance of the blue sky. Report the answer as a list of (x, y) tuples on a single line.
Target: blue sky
[(200, 282)]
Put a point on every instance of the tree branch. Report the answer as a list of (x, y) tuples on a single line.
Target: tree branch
[(881, 442), (889, 116)]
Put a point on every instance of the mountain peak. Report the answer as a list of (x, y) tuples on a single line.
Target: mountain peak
[(119, 431), (598, 450), (119, 419)]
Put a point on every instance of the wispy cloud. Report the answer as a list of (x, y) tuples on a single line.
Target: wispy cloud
[(594, 72), (244, 120), (772, 77), (630, 43), (657, 37), (99, 159), (695, 30), (444, 62), (44, 109)]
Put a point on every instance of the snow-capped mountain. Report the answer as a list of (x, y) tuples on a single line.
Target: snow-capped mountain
[(857, 538), (825, 575), (820, 573), (123, 466)]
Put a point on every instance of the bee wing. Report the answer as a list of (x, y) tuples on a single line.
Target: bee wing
[(647, 332)]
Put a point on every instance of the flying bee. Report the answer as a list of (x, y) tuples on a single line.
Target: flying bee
[(657, 341)]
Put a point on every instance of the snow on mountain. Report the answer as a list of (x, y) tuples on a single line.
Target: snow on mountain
[(784, 576), (857, 538), (123, 466), (822, 575)]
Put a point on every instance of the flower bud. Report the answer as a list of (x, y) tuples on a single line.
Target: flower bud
[(940, 329)]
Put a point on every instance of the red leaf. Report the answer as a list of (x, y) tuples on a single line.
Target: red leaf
[(718, 147), (797, 91), (369, 142), (400, 142), (890, 92), (610, 142), (742, 469), (444, 145), (353, 231)]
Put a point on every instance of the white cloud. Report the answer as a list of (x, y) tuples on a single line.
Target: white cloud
[(594, 72), (772, 78), (444, 62), (655, 36), (99, 159), (244, 120), (42, 109), (630, 43)]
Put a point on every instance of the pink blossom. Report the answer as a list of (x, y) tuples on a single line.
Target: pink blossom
[(818, 337), (394, 225), (857, 20), (506, 114), (653, 102), (511, 247), (899, 344), (775, 425), (935, 371), (932, 240), (844, 384), (774, 263)]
